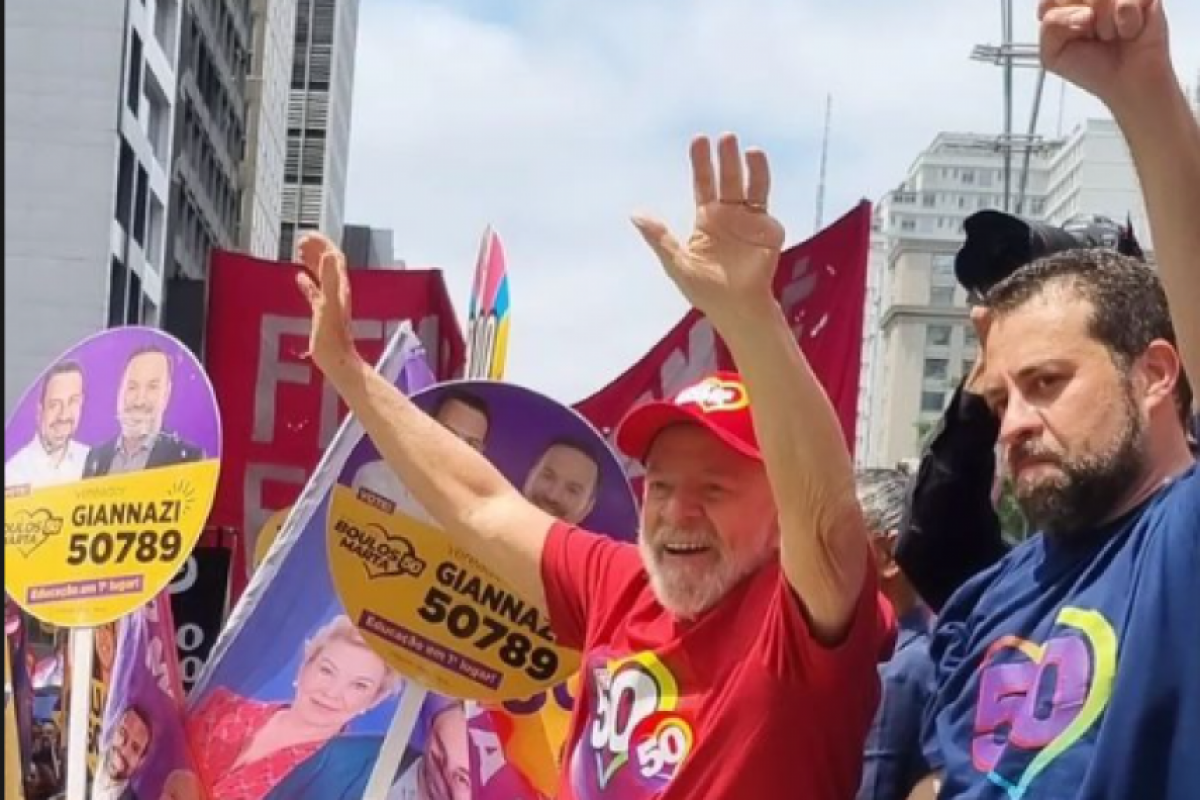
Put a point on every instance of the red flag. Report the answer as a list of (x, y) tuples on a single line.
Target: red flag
[(821, 284)]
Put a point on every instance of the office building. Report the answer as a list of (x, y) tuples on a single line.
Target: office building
[(206, 191), (1093, 173), (370, 248), (268, 90), (90, 95), (318, 143), (923, 342)]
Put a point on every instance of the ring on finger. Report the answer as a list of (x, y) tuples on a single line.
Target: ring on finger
[(753, 205)]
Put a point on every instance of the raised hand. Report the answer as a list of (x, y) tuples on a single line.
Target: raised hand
[(326, 285), (1113, 49), (728, 263)]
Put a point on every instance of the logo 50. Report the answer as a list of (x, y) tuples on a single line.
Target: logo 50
[(635, 722)]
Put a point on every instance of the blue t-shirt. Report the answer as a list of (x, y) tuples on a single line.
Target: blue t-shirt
[(893, 762), (1071, 669)]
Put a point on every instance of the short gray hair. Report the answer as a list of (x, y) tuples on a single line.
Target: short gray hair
[(883, 494)]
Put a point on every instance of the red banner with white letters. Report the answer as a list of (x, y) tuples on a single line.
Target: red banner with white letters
[(821, 284), (278, 411)]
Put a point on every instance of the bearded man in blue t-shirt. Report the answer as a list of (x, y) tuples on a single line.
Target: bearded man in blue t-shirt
[(1071, 669)]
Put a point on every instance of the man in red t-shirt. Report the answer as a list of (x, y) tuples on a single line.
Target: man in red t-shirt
[(732, 653)]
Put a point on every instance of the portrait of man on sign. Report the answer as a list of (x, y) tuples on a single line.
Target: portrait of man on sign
[(142, 401), (564, 481), (126, 753), (53, 456)]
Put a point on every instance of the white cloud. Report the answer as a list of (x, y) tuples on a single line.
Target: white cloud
[(556, 124)]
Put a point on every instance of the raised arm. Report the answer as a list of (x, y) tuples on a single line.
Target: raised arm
[(1119, 51), (726, 270), (459, 488)]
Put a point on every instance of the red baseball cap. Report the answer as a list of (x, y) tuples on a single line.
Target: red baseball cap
[(719, 402)]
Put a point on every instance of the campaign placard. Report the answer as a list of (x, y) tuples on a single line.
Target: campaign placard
[(110, 468), (436, 612)]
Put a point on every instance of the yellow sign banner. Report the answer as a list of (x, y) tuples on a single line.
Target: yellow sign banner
[(435, 612), (90, 552), (268, 534)]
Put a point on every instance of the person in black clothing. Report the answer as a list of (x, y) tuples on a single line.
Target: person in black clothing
[(951, 531)]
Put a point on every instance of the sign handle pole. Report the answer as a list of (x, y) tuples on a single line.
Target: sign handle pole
[(396, 742), (78, 713)]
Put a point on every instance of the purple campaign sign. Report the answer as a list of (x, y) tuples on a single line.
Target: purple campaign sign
[(545, 449), (145, 710), (190, 415)]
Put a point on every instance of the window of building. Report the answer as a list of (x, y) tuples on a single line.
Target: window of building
[(166, 19), (154, 233), (125, 173), (928, 200), (937, 335), (908, 225), (968, 364), (968, 176), (932, 402), (141, 206), (118, 275), (941, 296), (943, 269), (133, 300), (985, 177), (149, 312), (287, 241), (158, 118), (936, 369), (136, 65), (970, 337)]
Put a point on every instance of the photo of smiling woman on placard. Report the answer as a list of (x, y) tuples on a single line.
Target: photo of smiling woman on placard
[(247, 747)]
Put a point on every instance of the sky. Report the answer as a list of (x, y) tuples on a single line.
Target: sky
[(555, 120)]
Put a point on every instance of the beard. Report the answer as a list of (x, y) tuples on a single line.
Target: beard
[(57, 435), (689, 589), (1089, 488), (138, 423)]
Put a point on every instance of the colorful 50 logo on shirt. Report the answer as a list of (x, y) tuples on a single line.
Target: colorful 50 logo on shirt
[(111, 466), (432, 609), (1037, 700), (637, 736)]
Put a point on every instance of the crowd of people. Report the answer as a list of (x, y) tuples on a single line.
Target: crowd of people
[(739, 649), (787, 626)]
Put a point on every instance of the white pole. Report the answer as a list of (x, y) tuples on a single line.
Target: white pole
[(82, 650), (398, 737)]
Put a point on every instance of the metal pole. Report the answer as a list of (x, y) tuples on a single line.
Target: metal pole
[(1006, 13), (1033, 123), (824, 165)]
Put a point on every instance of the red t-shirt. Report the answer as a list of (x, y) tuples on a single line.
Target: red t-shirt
[(740, 703)]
